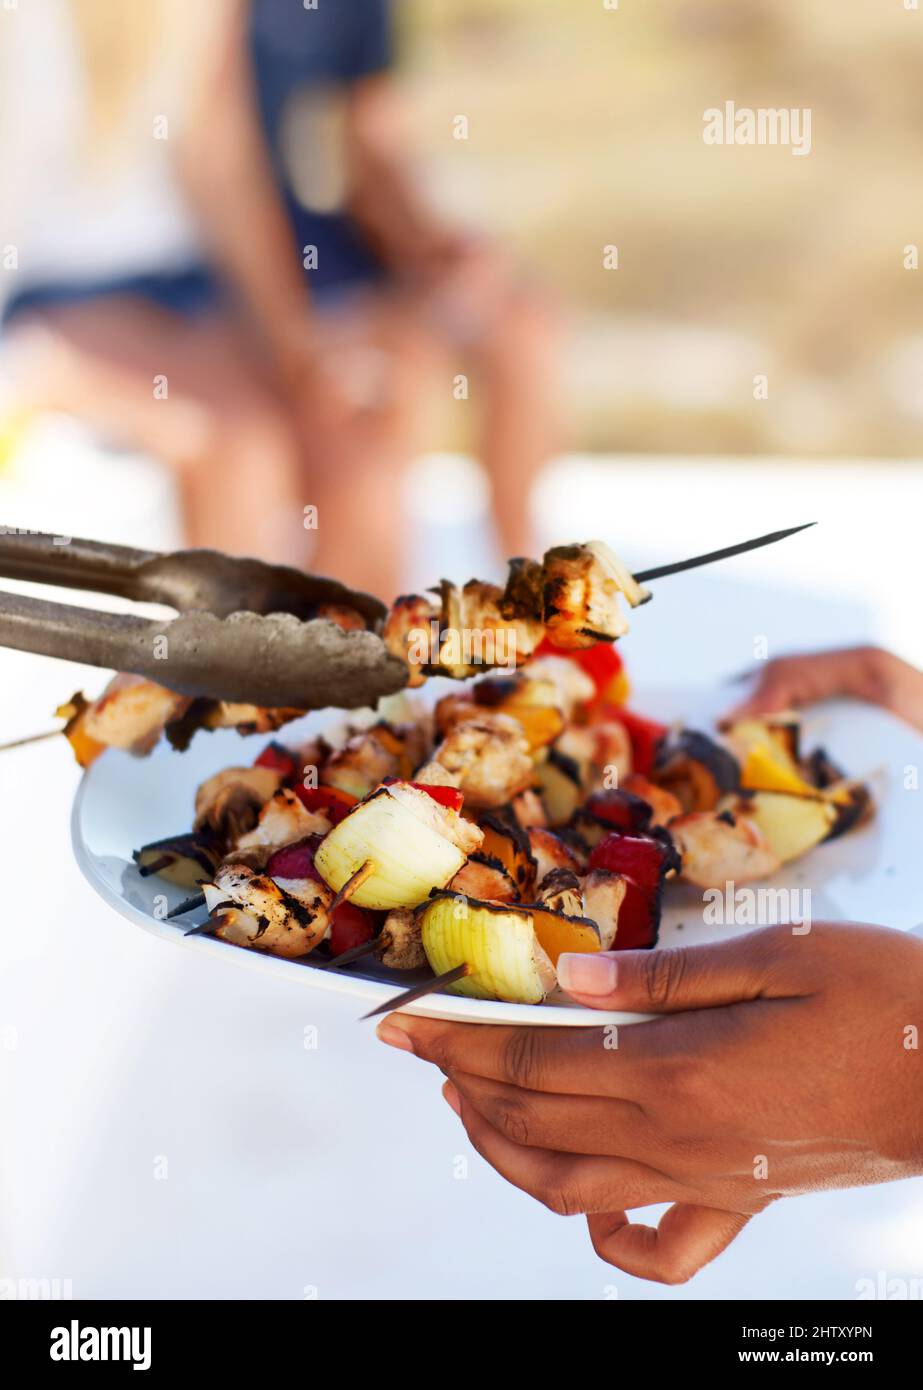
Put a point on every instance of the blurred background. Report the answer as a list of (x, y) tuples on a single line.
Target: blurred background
[(586, 129), (470, 173)]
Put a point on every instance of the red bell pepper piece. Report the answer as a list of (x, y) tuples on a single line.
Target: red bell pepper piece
[(295, 861), (602, 663), (351, 926), (645, 735), (643, 862), (446, 796), (621, 809), (279, 759), (330, 801)]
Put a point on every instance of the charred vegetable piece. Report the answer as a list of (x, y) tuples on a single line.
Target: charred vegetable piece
[(644, 863), (560, 890), (853, 800), (485, 877), (791, 825), (498, 942), (646, 737), (279, 759), (821, 771), (415, 845), (402, 941), (331, 802), (185, 860), (698, 771), (664, 805), (230, 802), (558, 932), (507, 842), (560, 785), (615, 809), (720, 847)]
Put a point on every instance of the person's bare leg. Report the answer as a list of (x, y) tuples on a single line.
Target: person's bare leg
[(188, 393), (356, 468), (523, 423)]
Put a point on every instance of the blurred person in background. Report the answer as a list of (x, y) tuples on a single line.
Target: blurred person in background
[(222, 257)]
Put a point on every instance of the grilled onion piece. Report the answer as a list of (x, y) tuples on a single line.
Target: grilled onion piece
[(415, 844), (498, 943), (790, 825)]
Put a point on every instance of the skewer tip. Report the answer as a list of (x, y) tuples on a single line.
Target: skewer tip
[(410, 996)]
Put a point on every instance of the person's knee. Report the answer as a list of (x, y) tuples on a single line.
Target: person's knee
[(527, 332), (236, 434)]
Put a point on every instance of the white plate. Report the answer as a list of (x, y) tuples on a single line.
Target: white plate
[(871, 875)]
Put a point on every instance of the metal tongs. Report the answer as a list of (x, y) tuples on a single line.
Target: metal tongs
[(246, 631)]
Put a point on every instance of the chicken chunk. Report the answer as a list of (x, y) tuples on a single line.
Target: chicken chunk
[(131, 714), (487, 758), (550, 853), (603, 894), (408, 630), (285, 917), (282, 821), (716, 848)]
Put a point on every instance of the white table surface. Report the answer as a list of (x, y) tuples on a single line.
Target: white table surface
[(165, 1132)]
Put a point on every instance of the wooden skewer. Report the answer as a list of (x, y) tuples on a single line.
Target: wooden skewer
[(30, 738), (367, 948), (354, 881), (188, 905), (677, 567), (163, 862), (409, 996), (203, 929)]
